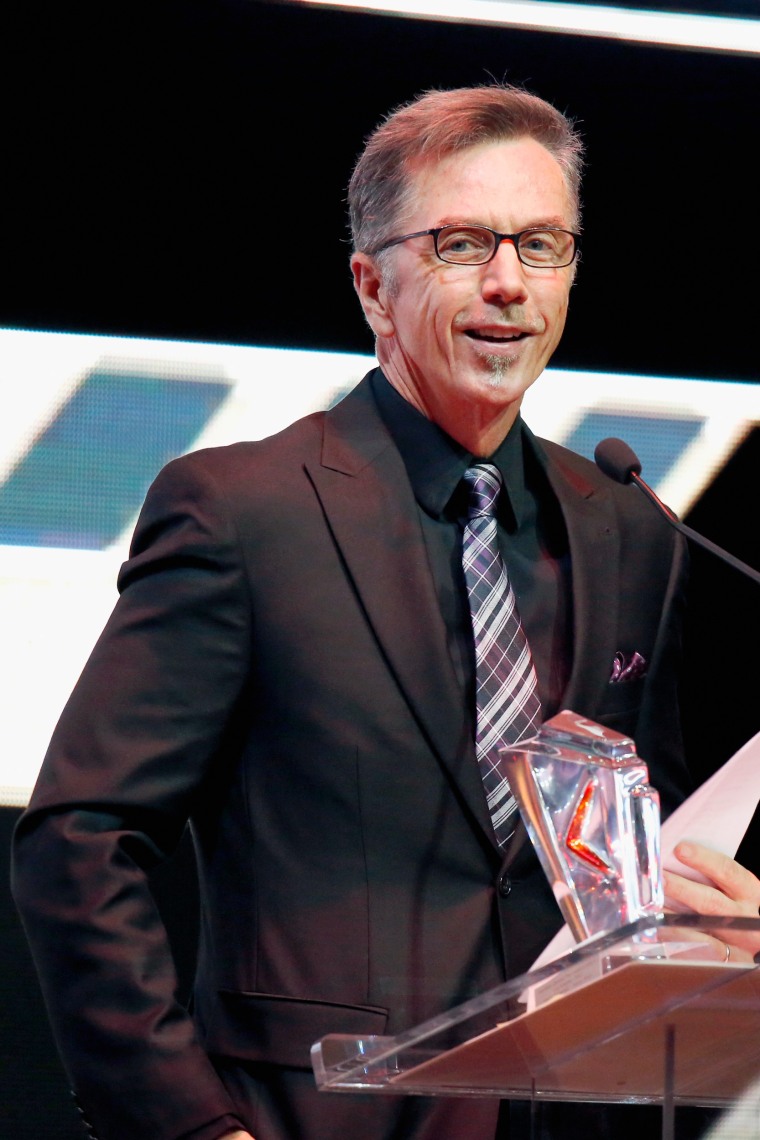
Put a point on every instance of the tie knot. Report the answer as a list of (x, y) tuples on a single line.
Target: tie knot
[(484, 481)]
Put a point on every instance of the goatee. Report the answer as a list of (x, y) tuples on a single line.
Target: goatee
[(498, 366)]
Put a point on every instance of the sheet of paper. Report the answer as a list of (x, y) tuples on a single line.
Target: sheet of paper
[(716, 815)]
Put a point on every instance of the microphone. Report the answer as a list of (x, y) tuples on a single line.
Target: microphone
[(616, 459)]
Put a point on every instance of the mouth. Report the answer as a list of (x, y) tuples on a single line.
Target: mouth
[(492, 336)]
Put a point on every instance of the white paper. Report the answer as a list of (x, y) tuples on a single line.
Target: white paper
[(717, 815)]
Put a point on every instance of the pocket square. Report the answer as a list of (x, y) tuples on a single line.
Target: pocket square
[(627, 668)]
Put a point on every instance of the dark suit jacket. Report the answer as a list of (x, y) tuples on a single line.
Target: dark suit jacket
[(276, 671)]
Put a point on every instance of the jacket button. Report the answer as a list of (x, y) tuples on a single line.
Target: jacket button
[(504, 886)]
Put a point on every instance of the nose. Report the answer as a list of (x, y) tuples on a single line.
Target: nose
[(504, 279)]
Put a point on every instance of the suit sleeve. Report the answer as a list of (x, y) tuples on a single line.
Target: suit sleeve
[(144, 733)]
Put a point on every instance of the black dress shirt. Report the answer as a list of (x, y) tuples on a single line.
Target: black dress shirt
[(532, 539)]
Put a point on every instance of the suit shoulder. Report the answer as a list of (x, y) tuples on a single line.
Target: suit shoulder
[(245, 459), (251, 464), (636, 516), (587, 478), (577, 468)]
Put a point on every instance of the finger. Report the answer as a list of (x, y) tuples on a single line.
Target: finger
[(743, 945), (733, 879), (686, 894)]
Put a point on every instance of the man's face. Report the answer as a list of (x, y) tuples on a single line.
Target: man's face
[(463, 343)]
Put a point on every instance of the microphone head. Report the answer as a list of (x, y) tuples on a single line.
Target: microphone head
[(617, 459)]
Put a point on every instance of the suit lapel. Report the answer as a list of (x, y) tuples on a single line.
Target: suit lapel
[(595, 560), (370, 508)]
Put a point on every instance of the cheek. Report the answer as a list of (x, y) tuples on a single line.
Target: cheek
[(554, 310), (432, 319), (442, 306)]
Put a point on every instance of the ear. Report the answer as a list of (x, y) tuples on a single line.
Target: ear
[(372, 294)]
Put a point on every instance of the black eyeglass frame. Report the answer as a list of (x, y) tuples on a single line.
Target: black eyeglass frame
[(514, 238)]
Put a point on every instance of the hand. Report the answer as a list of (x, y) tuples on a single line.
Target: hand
[(732, 890), (238, 1134)]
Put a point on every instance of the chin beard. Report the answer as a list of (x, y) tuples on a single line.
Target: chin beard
[(498, 367)]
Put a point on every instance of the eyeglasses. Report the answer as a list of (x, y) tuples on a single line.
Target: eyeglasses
[(539, 247)]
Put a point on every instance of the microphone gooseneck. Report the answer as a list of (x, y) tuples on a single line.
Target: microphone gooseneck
[(617, 460)]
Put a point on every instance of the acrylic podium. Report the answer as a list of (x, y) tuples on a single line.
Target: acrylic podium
[(645, 1014)]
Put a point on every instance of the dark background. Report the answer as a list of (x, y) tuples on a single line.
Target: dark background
[(178, 169)]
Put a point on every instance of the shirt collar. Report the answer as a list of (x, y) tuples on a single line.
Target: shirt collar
[(435, 463)]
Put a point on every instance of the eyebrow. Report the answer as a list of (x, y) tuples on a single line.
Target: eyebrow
[(553, 222)]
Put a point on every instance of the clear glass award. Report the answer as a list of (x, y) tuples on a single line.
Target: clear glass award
[(594, 821)]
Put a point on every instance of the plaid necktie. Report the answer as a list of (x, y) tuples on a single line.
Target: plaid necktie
[(508, 707)]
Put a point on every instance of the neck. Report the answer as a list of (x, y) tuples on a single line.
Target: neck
[(478, 428), (479, 418), (480, 435)]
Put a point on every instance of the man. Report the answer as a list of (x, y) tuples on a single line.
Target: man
[(291, 666)]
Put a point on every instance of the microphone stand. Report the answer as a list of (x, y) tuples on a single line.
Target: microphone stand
[(693, 534), (617, 460)]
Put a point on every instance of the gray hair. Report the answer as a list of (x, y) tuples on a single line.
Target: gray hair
[(437, 124)]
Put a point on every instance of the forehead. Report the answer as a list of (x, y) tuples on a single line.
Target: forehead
[(515, 183)]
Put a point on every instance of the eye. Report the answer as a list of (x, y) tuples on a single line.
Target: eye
[(539, 242), (464, 243), (545, 247)]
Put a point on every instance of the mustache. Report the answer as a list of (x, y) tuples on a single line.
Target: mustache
[(512, 320)]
